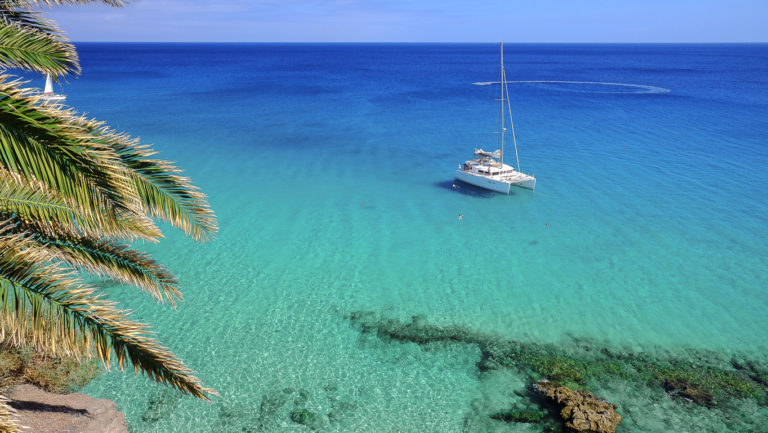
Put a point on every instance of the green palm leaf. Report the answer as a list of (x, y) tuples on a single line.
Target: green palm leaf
[(163, 192), (116, 261), (50, 144), (33, 203), (29, 49), (70, 190), (26, 18), (62, 314)]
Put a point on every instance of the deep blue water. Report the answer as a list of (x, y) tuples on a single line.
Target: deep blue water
[(330, 169)]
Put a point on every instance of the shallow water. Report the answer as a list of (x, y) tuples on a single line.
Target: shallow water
[(330, 170)]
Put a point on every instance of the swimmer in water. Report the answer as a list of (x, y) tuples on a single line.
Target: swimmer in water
[(461, 217)]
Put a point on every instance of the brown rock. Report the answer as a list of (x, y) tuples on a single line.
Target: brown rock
[(44, 412), (582, 411)]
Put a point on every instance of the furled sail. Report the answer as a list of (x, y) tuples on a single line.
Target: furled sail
[(495, 154)]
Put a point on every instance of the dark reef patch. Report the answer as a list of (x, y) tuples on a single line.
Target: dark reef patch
[(307, 418), (161, 405), (282, 405), (702, 378)]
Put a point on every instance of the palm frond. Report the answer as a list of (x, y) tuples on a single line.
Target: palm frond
[(50, 145), (62, 313), (163, 192), (116, 261), (8, 417), (26, 18), (32, 204), (28, 49)]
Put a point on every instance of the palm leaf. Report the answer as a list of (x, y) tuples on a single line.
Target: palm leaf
[(62, 314), (163, 192), (50, 145), (8, 417), (27, 18), (28, 49), (116, 261), (32, 203)]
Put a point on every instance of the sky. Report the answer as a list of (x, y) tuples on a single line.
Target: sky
[(418, 21)]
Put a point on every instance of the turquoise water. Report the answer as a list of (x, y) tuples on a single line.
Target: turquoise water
[(330, 170)]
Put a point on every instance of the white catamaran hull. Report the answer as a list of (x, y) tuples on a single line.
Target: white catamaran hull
[(499, 185), (52, 99), (483, 182)]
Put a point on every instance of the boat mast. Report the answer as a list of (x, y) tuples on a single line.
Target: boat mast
[(505, 91), (512, 125), (503, 85)]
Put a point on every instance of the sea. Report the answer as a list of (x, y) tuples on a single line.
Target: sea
[(330, 168)]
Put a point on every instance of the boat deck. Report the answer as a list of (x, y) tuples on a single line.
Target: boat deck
[(515, 177)]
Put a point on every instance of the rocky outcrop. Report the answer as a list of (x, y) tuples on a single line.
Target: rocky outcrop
[(44, 412), (582, 411)]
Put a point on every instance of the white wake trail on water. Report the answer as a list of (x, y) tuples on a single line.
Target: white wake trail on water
[(640, 88)]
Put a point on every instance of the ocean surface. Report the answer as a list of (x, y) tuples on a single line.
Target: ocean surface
[(330, 168)]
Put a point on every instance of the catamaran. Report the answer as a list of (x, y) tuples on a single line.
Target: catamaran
[(488, 169), (48, 97)]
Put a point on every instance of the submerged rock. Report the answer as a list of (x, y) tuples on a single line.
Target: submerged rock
[(302, 398), (525, 415), (161, 405), (688, 391), (582, 411), (270, 410), (307, 418), (341, 410), (237, 417)]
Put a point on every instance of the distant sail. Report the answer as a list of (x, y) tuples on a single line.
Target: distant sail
[(48, 85), (48, 97)]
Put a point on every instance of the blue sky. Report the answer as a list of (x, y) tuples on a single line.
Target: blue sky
[(420, 21)]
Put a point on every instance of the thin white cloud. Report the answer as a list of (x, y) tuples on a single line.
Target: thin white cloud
[(424, 20)]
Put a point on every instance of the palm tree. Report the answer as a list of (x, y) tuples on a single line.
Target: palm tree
[(74, 194)]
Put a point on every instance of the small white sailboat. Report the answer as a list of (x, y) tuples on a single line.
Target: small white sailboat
[(488, 170), (48, 97)]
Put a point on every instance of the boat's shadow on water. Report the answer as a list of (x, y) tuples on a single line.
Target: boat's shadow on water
[(464, 188)]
